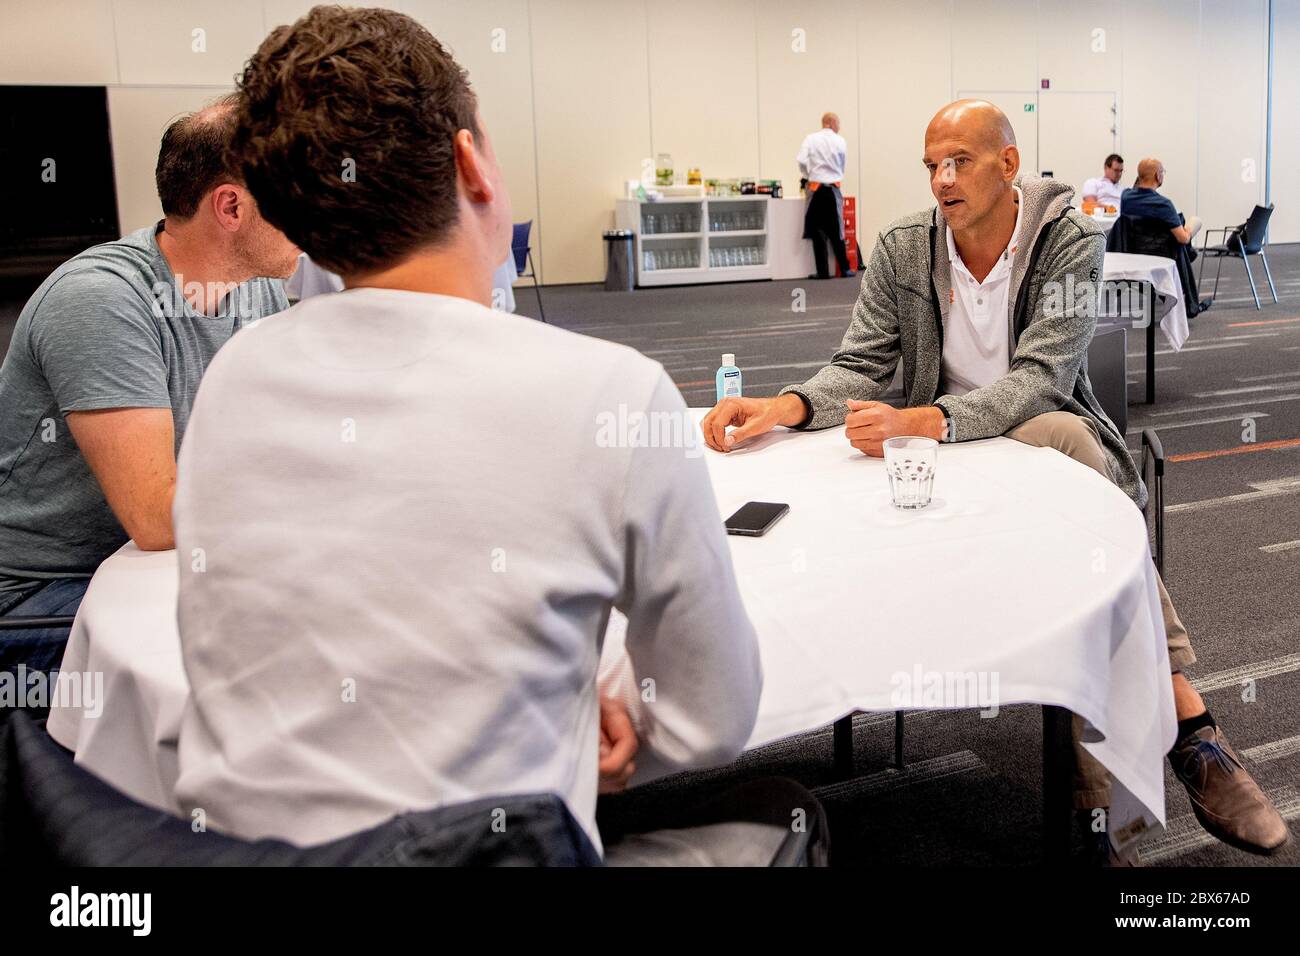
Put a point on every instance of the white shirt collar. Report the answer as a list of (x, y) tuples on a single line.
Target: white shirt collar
[(1008, 253)]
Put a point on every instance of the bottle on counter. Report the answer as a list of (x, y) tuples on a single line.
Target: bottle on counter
[(728, 378)]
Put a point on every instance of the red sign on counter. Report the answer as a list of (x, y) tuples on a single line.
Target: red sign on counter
[(850, 232)]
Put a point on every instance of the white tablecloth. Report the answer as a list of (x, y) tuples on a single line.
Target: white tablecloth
[(1106, 222), (1161, 273), (1029, 568)]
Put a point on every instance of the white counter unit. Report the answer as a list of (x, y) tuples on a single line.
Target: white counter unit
[(683, 241)]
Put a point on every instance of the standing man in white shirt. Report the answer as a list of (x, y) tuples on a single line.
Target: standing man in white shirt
[(821, 163), (416, 513), (1105, 189)]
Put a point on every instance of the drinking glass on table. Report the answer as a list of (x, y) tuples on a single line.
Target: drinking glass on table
[(910, 464)]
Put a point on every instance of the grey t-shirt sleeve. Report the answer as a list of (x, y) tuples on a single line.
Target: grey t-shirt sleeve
[(97, 344)]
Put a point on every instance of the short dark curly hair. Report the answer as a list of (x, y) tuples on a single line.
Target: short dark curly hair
[(345, 135)]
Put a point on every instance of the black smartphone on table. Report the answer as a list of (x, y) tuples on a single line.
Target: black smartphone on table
[(755, 518)]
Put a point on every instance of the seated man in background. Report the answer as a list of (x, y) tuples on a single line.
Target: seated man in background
[(1104, 189), (106, 357), (414, 532), (994, 361), (1150, 225)]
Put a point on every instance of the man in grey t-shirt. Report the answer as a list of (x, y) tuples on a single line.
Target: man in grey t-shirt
[(105, 361)]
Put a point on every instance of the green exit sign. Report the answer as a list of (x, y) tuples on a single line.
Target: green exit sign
[(1029, 107)]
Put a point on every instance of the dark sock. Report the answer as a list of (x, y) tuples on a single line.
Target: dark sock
[(1192, 724)]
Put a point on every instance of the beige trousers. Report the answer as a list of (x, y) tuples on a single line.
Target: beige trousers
[(1077, 437)]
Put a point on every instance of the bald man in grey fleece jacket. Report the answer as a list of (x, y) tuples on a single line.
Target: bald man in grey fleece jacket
[(989, 301)]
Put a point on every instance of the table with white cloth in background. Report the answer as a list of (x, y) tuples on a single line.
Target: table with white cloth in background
[(1162, 273), (1029, 571), (1158, 275)]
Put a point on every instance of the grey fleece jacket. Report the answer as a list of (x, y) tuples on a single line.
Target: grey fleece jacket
[(900, 314)]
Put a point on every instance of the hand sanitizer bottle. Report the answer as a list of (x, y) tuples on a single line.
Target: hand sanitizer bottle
[(728, 379)]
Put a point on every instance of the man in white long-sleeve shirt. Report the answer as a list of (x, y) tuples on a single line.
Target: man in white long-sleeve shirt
[(403, 518), (821, 162)]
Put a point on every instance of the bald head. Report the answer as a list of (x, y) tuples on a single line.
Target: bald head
[(831, 121), (970, 151), (976, 120), (1151, 173)]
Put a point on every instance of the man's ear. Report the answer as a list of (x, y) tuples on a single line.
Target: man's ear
[(1010, 162), (469, 165), (229, 206)]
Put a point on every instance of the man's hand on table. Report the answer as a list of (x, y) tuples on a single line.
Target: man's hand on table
[(869, 424), (752, 416), (618, 745)]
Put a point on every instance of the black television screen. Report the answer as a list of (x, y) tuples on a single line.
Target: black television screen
[(56, 175)]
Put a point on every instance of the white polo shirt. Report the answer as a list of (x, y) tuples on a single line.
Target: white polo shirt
[(977, 338), (822, 155), (1105, 191)]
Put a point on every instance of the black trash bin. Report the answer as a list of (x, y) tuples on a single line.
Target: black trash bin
[(619, 274)]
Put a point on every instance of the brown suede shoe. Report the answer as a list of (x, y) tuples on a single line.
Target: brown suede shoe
[(1225, 798)]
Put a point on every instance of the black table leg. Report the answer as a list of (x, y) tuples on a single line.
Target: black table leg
[(1058, 772), (1151, 347), (843, 735)]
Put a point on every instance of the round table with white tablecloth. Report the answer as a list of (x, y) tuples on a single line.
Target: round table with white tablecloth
[(1028, 569), (1162, 273)]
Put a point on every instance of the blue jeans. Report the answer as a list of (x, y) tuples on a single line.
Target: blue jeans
[(41, 649)]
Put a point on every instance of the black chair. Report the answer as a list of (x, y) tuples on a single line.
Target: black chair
[(523, 252), (54, 813), (34, 623), (1150, 237), (1108, 373), (1242, 242)]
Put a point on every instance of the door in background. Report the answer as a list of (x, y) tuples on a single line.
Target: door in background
[(1021, 107), (1076, 132)]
